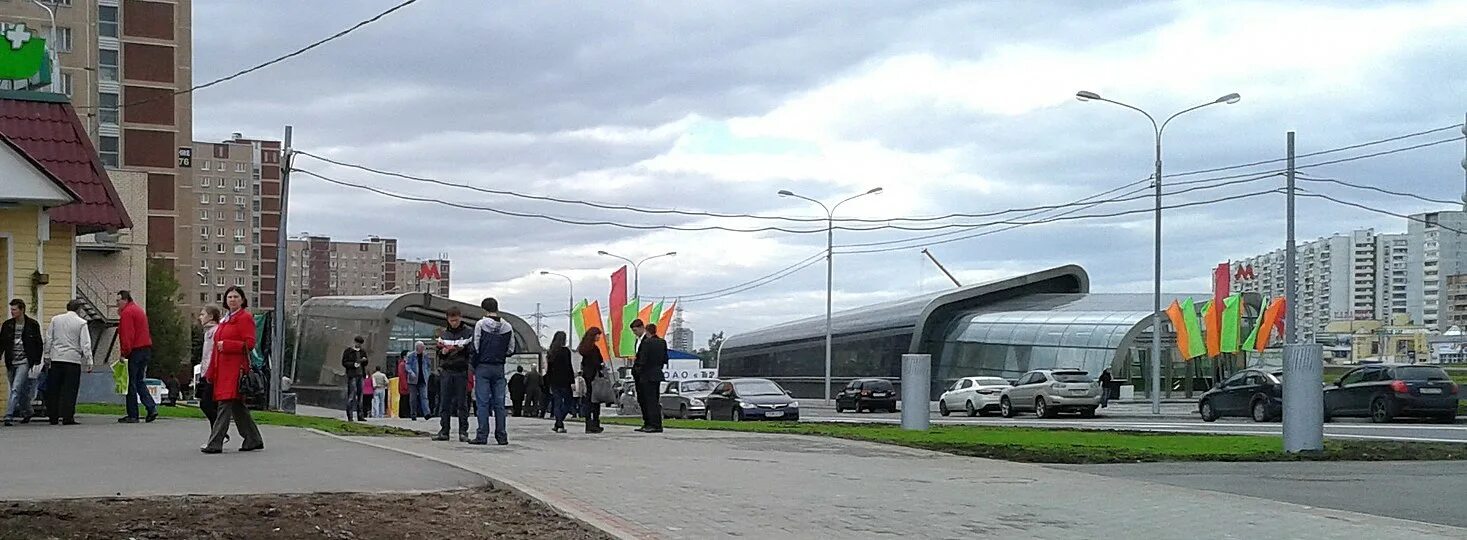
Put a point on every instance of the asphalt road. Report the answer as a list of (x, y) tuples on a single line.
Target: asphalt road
[(1417, 491), (1175, 418)]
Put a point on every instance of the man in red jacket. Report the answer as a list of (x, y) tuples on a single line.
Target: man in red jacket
[(137, 349)]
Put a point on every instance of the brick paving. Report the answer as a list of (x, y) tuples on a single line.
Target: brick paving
[(696, 484)]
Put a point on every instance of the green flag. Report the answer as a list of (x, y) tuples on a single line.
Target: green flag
[(578, 321), (1231, 318), (627, 348), (657, 316), (1248, 344), (1194, 330)]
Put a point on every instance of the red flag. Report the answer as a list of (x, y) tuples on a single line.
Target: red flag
[(616, 302)]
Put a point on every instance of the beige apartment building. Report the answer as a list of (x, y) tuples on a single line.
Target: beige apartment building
[(233, 231), (126, 66), (320, 266)]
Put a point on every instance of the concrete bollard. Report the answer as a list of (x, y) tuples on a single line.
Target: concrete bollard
[(1303, 398), (916, 385)]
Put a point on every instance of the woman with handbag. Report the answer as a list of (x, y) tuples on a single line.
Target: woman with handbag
[(208, 317), (592, 367), (230, 362), (560, 376)]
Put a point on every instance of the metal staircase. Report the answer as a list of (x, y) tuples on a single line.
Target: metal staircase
[(102, 324)]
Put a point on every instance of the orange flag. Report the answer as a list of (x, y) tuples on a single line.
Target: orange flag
[(664, 325), (1273, 316), (1211, 318), (1175, 314), (646, 315), (592, 313)]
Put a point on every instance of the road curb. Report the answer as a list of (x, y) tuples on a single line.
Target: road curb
[(567, 507)]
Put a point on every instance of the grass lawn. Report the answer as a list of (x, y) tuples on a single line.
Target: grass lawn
[(1085, 446), (329, 425)]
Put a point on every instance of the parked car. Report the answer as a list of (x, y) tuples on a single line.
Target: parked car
[(975, 395), (1253, 393), (751, 399), (1048, 392), (685, 398), (867, 395), (1383, 392)]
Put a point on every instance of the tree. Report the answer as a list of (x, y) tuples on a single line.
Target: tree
[(172, 334)]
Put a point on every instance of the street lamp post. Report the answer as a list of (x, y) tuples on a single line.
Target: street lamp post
[(829, 266), (570, 316), (636, 269), (1229, 99)]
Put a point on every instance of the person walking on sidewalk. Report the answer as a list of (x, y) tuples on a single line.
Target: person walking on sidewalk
[(68, 349), (517, 391), (647, 373), (137, 350), (591, 366), (1105, 379), (23, 351), (354, 361), (534, 384), (209, 318), (418, 369), (367, 396), (493, 344), (234, 338), (455, 347), (379, 393), (559, 376)]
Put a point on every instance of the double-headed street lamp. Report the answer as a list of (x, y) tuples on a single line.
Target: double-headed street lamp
[(1085, 95), (829, 265), (636, 269), (570, 315)]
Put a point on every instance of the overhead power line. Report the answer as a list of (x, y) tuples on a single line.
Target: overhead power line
[(1367, 208), (1319, 153), (270, 62), (1376, 189)]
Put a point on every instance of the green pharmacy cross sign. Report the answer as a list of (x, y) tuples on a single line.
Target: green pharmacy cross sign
[(22, 52)]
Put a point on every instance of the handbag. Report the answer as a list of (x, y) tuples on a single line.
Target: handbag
[(601, 391), (251, 383)]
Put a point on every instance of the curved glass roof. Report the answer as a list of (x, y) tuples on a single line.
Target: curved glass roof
[(1055, 320)]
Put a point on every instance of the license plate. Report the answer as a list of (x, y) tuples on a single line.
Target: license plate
[(1431, 390), (774, 414), (1077, 392), (879, 394)]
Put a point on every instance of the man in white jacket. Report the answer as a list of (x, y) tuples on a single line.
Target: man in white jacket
[(67, 350)]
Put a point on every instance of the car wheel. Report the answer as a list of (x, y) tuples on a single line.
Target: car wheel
[(1380, 410), (682, 411), (737, 415), (942, 408), (1006, 407), (1209, 414), (1088, 412), (839, 408), (1260, 411), (1041, 409), (971, 411)]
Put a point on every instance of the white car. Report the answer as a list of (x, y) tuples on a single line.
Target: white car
[(975, 395)]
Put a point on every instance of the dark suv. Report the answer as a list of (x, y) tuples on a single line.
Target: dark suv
[(867, 395), (1382, 392)]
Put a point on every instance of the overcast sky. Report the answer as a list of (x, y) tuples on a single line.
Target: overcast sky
[(951, 107)]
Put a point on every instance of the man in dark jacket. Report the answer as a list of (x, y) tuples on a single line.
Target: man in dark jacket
[(517, 391), (647, 367), (493, 344), (534, 390), (354, 361), (21, 348), (455, 348)]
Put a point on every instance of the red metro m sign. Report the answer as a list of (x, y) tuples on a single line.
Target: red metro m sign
[(1244, 273)]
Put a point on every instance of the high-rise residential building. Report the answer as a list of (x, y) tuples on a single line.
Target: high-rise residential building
[(126, 66), (681, 337), (1436, 252), (1455, 301), (233, 232), (320, 266), (1364, 275), (423, 275), (1336, 279)]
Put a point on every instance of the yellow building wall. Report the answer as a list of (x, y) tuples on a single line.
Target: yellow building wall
[(19, 224), (18, 228), (60, 257)]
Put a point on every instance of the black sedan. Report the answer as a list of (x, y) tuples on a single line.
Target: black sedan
[(751, 399), (1382, 392), (1248, 393)]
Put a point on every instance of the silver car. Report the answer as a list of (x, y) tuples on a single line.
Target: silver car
[(1048, 392), (685, 398)]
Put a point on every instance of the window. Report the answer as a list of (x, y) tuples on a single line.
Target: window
[(238, 233), (203, 181), (219, 215), (239, 200), (239, 281), (239, 215), (107, 21), (107, 65), (219, 182), (1353, 377), (239, 184), (64, 85), (204, 214), (203, 280), (239, 167), (239, 265), (965, 383), (218, 248), (203, 248), (204, 165), (63, 39), (204, 233), (239, 249), (203, 264), (223, 199), (203, 198), (203, 297), (219, 281), (219, 297), (108, 149), (219, 265)]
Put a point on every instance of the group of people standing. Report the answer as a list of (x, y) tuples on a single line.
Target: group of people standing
[(55, 361), (475, 358)]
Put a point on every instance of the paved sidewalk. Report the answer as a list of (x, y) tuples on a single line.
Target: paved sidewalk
[(697, 484), (102, 458)]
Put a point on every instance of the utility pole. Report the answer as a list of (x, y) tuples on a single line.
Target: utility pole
[(539, 322), (282, 254), (1464, 164), (941, 267), (1303, 362)]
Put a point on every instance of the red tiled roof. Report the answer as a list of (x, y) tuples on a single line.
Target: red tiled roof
[(46, 129)]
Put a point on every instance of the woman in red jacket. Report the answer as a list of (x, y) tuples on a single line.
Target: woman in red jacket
[(233, 340)]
